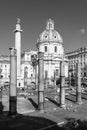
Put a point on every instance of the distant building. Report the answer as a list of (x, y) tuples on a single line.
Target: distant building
[(73, 57), (5, 68), (25, 62)]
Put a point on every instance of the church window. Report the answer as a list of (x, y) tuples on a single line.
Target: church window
[(84, 74), (57, 72), (19, 84), (1, 76), (45, 48), (55, 48), (46, 36), (46, 74)]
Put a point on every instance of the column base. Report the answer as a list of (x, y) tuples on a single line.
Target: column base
[(41, 107), (41, 111), (13, 115), (79, 103), (62, 105), (1, 107), (13, 105)]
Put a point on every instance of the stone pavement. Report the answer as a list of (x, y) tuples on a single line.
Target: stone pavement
[(23, 105), (53, 116)]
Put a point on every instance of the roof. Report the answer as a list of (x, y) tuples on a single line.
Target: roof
[(49, 34)]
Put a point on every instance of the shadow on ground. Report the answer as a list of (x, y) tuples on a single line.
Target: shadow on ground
[(53, 101), (71, 98), (25, 122), (33, 103)]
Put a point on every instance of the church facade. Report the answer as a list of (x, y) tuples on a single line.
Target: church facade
[(51, 43)]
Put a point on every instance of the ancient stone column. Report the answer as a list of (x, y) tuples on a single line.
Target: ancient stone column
[(1, 106), (55, 86), (13, 82), (18, 32), (25, 77), (40, 82), (36, 77), (55, 80), (78, 83), (62, 84)]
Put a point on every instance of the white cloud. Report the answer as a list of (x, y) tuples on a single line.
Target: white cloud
[(82, 31)]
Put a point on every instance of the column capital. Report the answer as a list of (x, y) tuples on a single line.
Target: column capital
[(13, 51), (40, 55), (18, 26), (62, 68)]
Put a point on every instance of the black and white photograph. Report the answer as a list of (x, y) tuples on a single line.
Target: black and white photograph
[(43, 64)]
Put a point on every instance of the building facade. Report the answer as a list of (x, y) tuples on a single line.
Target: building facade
[(73, 57), (25, 63), (5, 68)]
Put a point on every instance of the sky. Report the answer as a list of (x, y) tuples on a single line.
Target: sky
[(70, 19)]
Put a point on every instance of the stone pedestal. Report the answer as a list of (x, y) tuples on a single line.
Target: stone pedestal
[(13, 82), (40, 82)]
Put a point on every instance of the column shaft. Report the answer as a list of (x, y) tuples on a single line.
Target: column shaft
[(41, 82), (25, 77), (78, 84), (62, 84), (13, 82)]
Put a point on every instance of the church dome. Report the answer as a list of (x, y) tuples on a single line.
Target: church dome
[(50, 34)]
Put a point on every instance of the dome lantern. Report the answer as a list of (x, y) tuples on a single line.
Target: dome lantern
[(50, 25)]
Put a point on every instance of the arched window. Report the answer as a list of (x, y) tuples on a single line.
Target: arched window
[(45, 48), (55, 49), (46, 74), (84, 74)]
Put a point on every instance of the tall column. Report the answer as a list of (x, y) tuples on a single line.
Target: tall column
[(62, 84), (13, 82), (49, 72), (1, 106), (25, 77), (41, 81), (17, 32), (36, 77), (55, 80), (78, 84)]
